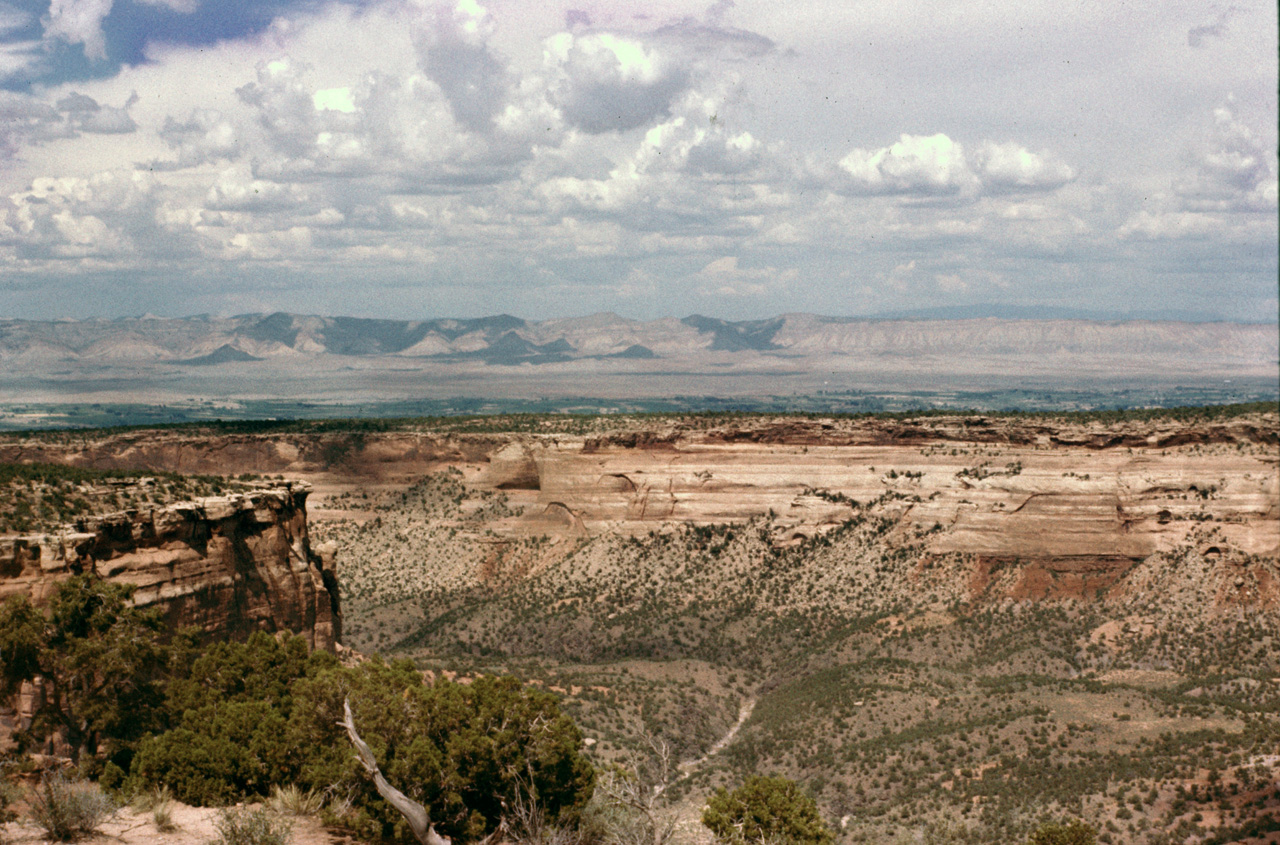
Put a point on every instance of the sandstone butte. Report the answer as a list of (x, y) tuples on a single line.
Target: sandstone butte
[(1049, 508)]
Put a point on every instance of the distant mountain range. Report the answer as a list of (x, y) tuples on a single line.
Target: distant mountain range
[(1051, 312), (506, 341)]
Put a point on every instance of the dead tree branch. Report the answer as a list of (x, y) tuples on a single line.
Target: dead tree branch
[(414, 813), (638, 788)]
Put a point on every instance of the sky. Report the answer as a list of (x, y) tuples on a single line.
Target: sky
[(407, 159)]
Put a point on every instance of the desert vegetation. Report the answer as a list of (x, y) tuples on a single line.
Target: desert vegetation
[(39, 497), (848, 678), (909, 698)]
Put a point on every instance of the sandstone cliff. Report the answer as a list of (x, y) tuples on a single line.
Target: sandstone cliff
[(229, 565), (1040, 506)]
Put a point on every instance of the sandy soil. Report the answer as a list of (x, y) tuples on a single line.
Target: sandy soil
[(195, 827)]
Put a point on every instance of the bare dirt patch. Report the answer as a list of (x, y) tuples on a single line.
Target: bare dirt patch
[(195, 826)]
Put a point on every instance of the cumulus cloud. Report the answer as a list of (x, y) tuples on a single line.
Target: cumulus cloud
[(237, 190), (1011, 167), (1175, 225), (698, 147), (718, 152), (455, 54), (25, 119), (204, 136), (935, 165), (1229, 193), (404, 132), (79, 22), (1233, 171), (285, 107), (611, 83), (724, 277), (84, 114), (916, 164), (81, 218)]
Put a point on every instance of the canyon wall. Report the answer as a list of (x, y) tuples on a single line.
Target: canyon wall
[(230, 565), (1041, 506), (1040, 511)]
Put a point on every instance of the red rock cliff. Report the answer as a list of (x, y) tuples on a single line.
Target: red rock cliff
[(230, 565)]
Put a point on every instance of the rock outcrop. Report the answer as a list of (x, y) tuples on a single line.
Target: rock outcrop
[(230, 565), (1041, 506)]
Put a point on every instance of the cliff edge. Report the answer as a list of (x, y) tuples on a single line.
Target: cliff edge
[(230, 565)]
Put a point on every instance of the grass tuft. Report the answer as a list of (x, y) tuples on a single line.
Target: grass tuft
[(67, 809), (244, 826), (292, 801)]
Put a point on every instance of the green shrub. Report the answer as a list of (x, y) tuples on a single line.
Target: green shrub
[(67, 809), (112, 777), (464, 752), (200, 769), (104, 656), (1074, 832), (766, 809), (231, 708), (8, 797), (245, 826)]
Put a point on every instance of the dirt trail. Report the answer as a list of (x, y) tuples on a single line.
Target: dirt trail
[(688, 767)]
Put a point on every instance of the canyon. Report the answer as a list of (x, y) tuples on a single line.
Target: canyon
[(913, 615), (1073, 505)]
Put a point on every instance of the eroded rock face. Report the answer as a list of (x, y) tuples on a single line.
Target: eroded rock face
[(1042, 508), (229, 565), (1040, 511)]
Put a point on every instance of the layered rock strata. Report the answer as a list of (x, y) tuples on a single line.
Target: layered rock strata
[(230, 565)]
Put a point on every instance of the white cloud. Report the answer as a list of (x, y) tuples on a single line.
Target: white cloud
[(916, 164), (333, 99), (79, 22), (84, 114), (186, 7), (1175, 225), (935, 165), (1228, 194), (1234, 169), (609, 83), (1012, 167), (285, 108), (236, 190), (27, 120), (204, 136), (484, 142), (18, 58), (80, 218), (454, 52), (724, 277)]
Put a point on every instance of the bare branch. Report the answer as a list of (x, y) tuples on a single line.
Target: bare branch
[(414, 813), (638, 787)]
